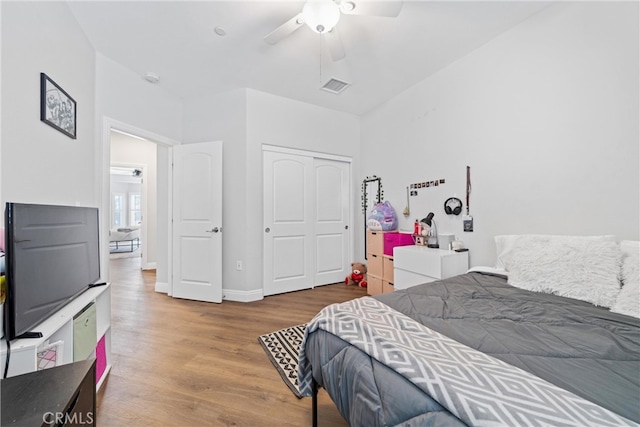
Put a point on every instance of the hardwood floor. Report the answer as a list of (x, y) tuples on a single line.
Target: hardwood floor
[(183, 363)]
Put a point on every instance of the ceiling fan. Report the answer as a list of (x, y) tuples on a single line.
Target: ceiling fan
[(323, 15)]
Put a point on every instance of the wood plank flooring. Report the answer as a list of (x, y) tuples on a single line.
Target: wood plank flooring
[(187, 363)]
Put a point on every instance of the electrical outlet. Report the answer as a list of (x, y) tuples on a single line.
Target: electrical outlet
[(239, 265)]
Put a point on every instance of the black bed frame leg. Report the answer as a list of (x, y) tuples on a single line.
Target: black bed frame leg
[(314, 401)]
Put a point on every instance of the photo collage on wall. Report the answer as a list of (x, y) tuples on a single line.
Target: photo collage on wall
[(426, 184)]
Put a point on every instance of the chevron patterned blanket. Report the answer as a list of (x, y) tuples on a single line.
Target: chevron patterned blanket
[(478, 389)]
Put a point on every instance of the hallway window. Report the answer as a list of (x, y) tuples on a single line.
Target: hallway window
[(117, 210), (135, 209)]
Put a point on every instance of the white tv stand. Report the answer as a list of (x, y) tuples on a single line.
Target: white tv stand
[(59, 327)]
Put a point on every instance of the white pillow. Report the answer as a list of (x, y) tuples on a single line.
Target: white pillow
[(505, 244), (581, 267), (628, 300)]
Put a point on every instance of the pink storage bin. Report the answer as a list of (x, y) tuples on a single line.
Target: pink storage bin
[(101, 358), (393, 239)]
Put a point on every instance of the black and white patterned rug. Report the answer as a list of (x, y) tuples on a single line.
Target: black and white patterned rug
[(283, 347)]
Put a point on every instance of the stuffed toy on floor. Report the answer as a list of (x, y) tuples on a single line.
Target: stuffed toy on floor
[(358, 275)]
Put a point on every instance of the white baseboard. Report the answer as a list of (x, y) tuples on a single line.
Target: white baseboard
[(149, 266), (242, 296), (227, 294), (162, 287)]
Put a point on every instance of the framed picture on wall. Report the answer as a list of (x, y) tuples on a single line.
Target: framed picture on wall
[(57, 108)]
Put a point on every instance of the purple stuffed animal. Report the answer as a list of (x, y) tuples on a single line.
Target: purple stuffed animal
[(382, 217)]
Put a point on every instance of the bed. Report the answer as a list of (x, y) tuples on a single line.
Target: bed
[(476, 350), (130, 236)]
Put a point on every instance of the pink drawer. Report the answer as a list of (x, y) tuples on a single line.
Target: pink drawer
[(391, 240)]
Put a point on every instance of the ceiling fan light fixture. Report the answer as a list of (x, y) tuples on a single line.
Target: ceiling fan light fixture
[(321, 15)]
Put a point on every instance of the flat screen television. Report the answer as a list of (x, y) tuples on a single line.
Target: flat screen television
[(52, 256)]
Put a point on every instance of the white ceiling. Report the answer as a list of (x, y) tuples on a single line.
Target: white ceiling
[(384, 56)]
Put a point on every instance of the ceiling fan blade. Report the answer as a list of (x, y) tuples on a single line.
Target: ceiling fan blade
[(390, 8), (285, 29), (334, 43)]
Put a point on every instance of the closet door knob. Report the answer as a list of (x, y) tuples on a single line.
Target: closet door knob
[(266, 230)]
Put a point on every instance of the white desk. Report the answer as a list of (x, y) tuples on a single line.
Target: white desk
[(414, 265)]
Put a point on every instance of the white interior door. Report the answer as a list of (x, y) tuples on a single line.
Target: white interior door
[(306, 220), (288, 233), (197, 221), (331, 221)]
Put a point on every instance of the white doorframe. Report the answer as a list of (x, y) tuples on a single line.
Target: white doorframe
[(103, 164), (299, 152)]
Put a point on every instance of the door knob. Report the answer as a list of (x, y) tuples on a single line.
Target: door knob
[(346, 227), (266, 230), (214, 230)]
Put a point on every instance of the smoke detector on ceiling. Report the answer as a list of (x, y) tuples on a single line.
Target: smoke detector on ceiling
[(347, 6), (335, 86), (152, 78)]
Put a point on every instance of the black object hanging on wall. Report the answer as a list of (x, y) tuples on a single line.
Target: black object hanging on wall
[(467, 222), (370, 180)]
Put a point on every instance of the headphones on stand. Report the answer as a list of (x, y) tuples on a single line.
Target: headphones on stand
[(453, 206)]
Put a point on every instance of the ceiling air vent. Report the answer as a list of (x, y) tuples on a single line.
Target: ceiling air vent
[(335, 86)]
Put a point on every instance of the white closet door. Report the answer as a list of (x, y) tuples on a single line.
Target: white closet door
[(306, 221), (288, 222), (331, 222)]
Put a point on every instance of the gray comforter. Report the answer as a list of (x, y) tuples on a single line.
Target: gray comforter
[(586, 350)]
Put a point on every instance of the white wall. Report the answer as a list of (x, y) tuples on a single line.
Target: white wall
[(126, 150), (275, 120), (40, 164), (127, 102), (125, 96), (1, 97), (245, 120), (125, 185), (223, 118), (546, 115)]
